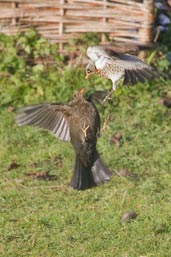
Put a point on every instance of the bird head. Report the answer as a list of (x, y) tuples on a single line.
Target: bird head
[(78, 95), (90, 69)]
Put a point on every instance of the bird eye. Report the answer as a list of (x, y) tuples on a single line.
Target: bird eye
[(75, 95)]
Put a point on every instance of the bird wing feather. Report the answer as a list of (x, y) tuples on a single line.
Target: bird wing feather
[(134, 69), (53, 117), (130, 62)]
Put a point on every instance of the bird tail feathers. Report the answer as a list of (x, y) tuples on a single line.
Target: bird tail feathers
[(87, 177), (100, 171)]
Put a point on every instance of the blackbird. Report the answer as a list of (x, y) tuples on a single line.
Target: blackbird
[(107, 63), (79, 123)]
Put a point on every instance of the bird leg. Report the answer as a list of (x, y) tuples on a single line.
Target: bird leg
[(108, 96)]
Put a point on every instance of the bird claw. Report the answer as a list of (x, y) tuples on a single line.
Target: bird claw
[(84, 130)]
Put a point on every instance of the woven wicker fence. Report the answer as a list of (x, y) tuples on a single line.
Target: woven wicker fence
[(62, 20)]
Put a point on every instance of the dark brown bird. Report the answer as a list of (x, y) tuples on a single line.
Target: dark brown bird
[(79, 123)]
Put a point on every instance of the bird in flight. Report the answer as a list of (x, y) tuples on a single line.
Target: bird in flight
[(116, 66), (79, 123)]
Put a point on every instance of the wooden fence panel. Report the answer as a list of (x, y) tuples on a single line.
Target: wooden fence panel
[(61, 20)]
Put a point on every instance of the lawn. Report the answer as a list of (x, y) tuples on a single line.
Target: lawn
[(41, 215)]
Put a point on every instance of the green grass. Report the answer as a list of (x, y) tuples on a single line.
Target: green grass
[(49, 218), (46, 217)]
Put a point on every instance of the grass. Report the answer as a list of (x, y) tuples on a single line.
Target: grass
[(46, 217), (40, 214)]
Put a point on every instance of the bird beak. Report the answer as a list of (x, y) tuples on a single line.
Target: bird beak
[(82, 90), (87, 76)]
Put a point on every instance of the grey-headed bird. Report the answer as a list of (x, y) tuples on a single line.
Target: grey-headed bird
[(116, 66)]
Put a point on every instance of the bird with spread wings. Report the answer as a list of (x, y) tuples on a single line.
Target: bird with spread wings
[(107, 63), (79, 123)]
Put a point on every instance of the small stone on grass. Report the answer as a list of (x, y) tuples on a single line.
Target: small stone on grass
[(129, 216)]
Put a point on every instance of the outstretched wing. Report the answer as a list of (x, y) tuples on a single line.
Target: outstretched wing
[(134, 69), (52, 117)]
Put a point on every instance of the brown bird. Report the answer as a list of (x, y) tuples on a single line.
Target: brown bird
[(116, 66), (79, 123)]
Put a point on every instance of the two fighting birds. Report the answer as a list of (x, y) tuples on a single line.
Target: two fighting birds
[(79, 121)]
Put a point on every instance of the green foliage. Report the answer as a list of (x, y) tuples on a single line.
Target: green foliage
[(162, 55), (22, 79), (27, 77), (83, 41)]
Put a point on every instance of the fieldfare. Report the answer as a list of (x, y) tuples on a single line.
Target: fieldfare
[(79, 123), (116, 66)]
